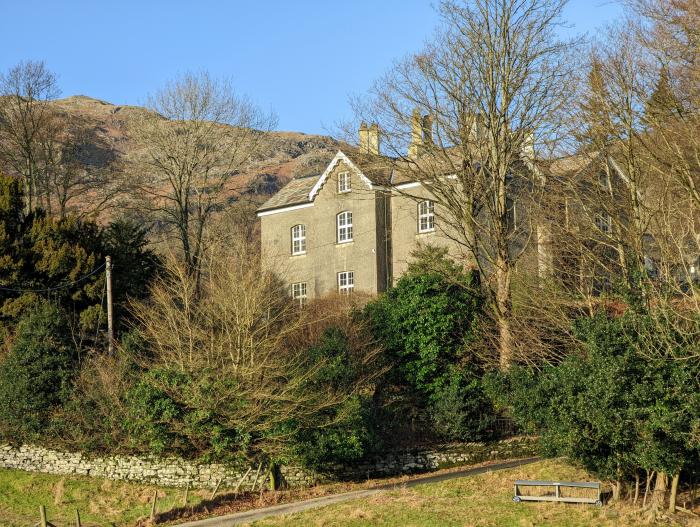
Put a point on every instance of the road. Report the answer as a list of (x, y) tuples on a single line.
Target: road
[(314, 503)]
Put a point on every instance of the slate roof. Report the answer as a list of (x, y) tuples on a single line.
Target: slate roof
[(293, 193)]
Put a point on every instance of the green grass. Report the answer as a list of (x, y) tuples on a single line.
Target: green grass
[(484, 501), (100, 502)]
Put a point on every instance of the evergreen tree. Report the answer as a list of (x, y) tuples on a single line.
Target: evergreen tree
[(598, 125), (662, 104)]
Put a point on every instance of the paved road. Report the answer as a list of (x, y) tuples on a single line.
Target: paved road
[(299, 506)]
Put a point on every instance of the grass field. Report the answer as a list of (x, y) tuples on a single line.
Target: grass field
[(483, 501), (100, 502)]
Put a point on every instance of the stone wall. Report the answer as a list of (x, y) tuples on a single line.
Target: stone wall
[(175, 472)]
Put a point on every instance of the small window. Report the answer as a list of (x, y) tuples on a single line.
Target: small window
[(345, 227), (299, 293), (346, 282), (510, 215), (426, 216), (603, 221), (299, 239), (344, 182)]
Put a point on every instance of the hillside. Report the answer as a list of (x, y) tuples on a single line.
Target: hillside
[(282, 156)]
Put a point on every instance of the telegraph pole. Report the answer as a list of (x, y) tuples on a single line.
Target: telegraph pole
[(110, 320)]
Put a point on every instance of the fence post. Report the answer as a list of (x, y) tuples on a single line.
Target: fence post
[(153, 506), (77, 518), (42, 516)]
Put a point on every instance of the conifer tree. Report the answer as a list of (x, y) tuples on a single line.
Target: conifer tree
[(662, 104)]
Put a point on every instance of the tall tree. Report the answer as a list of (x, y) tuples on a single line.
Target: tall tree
[(25, 91), (495, 78), (196, 138)]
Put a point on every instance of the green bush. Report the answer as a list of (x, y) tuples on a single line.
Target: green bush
[(344, 433), (36, 375), (618, 406), (425, 325)]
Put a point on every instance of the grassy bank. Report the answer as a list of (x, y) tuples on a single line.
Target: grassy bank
[(483, 501), (100, 502)]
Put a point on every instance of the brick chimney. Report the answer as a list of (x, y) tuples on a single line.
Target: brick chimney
[(364, 137)]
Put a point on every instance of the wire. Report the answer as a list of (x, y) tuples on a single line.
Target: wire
[(56, 288)]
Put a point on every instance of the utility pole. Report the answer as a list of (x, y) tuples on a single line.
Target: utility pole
[(110, 320)]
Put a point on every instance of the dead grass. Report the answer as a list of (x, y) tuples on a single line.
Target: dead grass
[(478, 501)]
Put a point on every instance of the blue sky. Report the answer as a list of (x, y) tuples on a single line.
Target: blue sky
[(300, 58)]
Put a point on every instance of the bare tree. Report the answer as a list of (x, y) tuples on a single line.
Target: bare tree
[(472, 105), (196, 138), (25, 92), (77, 171), (242, 333)]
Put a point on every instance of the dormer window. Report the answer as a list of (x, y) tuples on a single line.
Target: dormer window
[(426, 216), (299, 239), (344, 182), (344, 222)]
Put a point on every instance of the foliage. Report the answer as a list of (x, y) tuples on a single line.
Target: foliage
[(346, 434), (425, 324), (611, 407), (37, 373)]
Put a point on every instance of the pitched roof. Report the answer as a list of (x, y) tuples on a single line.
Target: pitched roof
[(293, 193)]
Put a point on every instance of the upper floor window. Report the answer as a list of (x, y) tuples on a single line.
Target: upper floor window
[(426, 216), (603, 221), (299, 239), (346, 281), (345, 227), (344, 182), (299, 292)]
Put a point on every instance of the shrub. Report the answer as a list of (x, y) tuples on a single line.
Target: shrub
[(36, 375)]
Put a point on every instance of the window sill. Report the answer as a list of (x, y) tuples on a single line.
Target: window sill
[(295, 255), (349, 242), (348, 191), (423, 233)]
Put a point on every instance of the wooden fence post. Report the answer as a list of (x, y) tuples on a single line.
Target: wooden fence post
[(187, 491), (153, 506), (77, 518), (42, 516)]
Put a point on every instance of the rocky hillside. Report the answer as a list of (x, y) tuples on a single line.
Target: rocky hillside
[(283, 155)]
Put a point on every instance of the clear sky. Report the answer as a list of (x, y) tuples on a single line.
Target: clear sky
[(300, 58)]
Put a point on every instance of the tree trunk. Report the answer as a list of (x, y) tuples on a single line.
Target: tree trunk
[(658, 497), (674, 492), (503, 314), (650, 476), (636, 488)]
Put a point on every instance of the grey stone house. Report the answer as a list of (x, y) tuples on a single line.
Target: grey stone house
[(353, 227)]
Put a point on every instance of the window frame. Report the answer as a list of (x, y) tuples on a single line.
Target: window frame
[(428, 216), (301, 295), (346, 180), (298, 238), (349, 285), (346, 228), (603, 221)]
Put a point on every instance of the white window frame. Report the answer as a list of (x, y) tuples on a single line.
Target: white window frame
[(299, 292), (343, 222), (426, 211), (603, 221), (344, 182), (298, 239), (346, 282)]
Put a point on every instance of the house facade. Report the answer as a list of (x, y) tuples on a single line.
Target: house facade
[(352, 228)]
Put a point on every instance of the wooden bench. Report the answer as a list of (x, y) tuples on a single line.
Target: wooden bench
[(556, 492)]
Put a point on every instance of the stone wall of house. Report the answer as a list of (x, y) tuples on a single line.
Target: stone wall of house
[(175, 472)]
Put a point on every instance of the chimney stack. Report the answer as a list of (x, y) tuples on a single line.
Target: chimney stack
[(416, 144), (369, 139), (428, 129)]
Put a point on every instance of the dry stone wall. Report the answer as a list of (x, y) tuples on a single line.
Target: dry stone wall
[(175, 472)]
